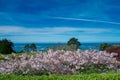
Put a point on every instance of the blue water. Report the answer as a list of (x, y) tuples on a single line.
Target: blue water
[(43, 46)]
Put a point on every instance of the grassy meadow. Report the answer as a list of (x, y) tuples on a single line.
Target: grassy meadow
[(109, 76)]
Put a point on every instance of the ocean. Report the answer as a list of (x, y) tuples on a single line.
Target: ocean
[(42, 46)]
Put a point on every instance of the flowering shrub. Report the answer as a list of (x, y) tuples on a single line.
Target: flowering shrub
[(115, 50), (60, 62)]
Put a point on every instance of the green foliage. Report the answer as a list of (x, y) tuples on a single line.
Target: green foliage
[(33, 47), (31, 71), (6, 46), (74, 41), (113, 76), (95, 68), (104, 46), (27, 48), (1, 57), (11, 56), (30, 47), (71, 47)]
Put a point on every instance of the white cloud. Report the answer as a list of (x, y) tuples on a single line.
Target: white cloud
[(55, 34), (49, 30), (10, 29), (88, 20)]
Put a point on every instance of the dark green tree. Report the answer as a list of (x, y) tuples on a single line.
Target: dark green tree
[(104, 46), (33, 47), (74, 41), (27, 48), (6, 46), (30, 47)]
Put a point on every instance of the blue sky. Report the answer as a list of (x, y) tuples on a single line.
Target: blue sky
[(59, 20)]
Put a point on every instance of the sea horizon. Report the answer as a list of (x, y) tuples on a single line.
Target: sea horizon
[(42, 46), (65, 42)]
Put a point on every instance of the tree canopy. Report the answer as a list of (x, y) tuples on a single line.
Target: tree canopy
[(6, 46), (104, 46), (30, 47), (74, 41)]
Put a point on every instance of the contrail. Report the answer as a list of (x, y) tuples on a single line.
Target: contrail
[(88, 20)]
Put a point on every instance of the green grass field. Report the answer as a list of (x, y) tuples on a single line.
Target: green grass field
[(110, 76)]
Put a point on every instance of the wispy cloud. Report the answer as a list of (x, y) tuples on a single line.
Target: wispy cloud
[(48, 30), (56, 34), (88, 20)]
